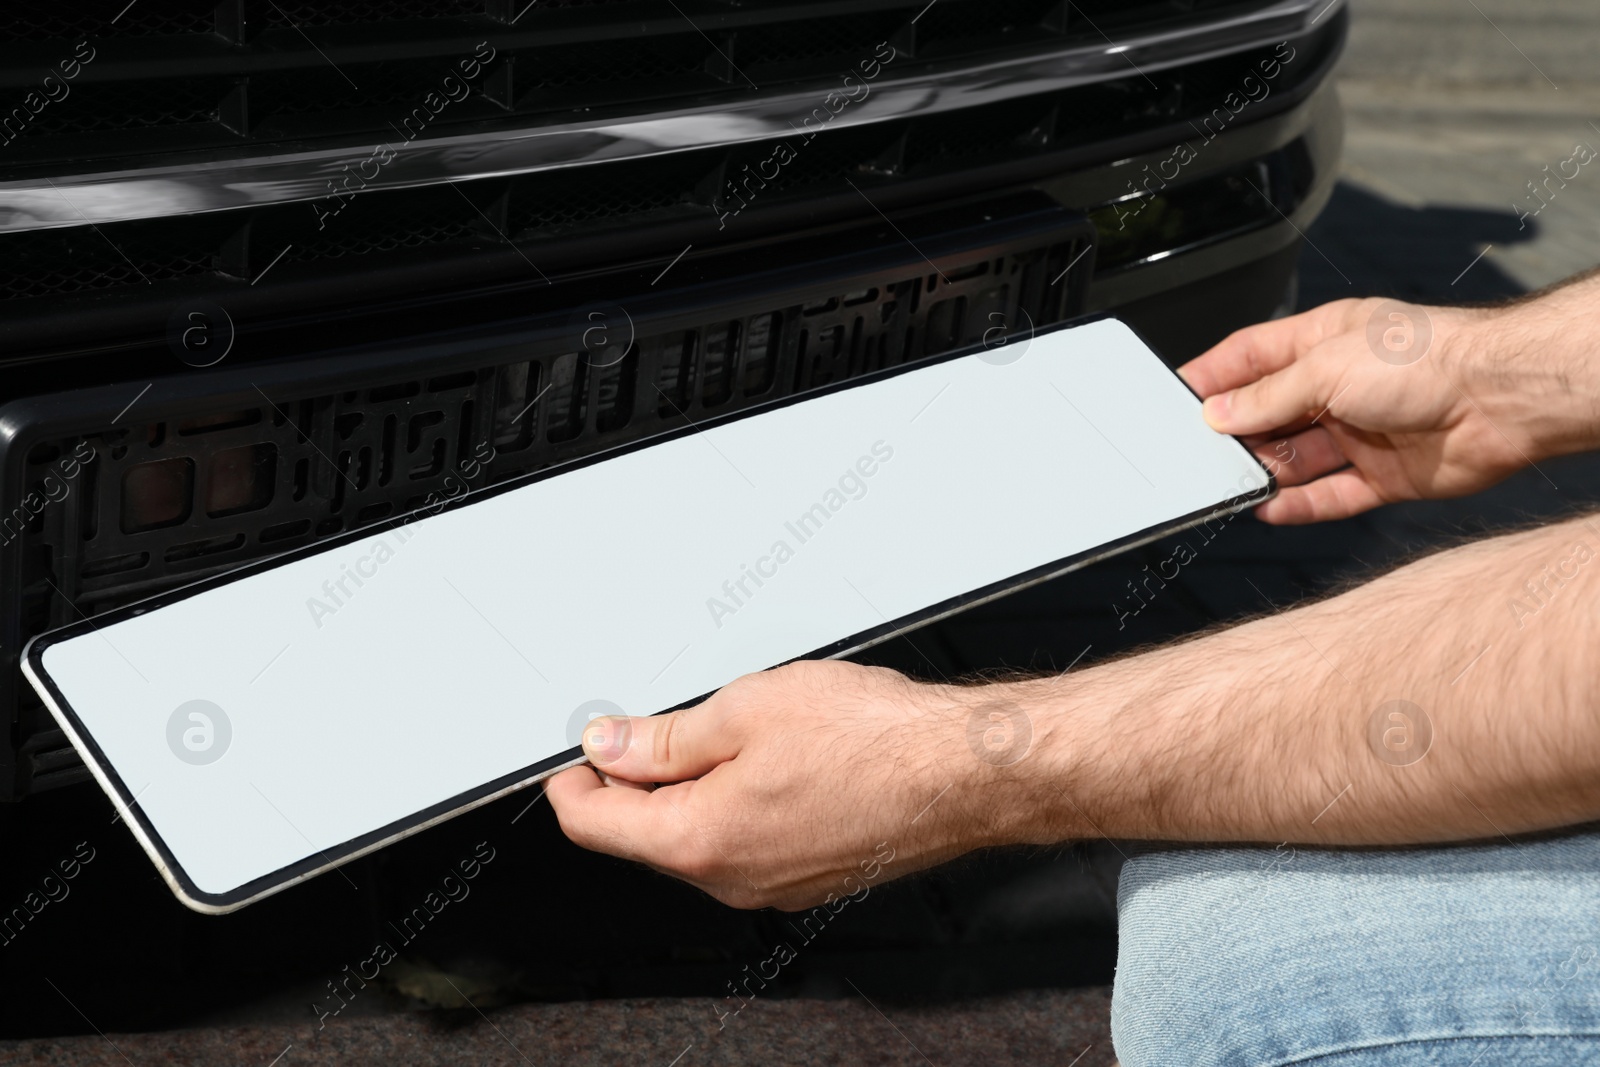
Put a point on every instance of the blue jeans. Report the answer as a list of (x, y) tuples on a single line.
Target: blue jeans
[(1472, 956)]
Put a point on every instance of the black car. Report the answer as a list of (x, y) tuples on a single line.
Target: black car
[(273, 270)]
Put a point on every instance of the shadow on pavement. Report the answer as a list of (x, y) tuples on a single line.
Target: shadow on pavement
[(1365, 245)]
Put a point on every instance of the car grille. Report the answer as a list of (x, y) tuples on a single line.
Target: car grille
[(351, 397), (248, 72), (257, 460), (218, 252)]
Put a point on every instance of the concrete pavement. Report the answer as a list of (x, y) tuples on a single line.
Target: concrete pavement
[(1453, 107)]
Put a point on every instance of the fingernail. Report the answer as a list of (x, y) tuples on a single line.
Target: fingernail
[(1216, 409), (605, 740)]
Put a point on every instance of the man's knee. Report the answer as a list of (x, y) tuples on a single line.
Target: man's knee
[(1268, 956), (1189, 955)]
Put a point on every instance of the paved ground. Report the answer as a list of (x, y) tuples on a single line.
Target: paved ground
[(1043, 1027), (1454, 106)]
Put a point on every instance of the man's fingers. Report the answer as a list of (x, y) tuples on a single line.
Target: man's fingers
[(1299, 458), (1276, 401), (1337, 496), (662, 748), (621, 822), (623, 783), (650, 827), (1254, 352)]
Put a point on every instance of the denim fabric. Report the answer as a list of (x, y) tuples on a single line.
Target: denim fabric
[(1452, 957)]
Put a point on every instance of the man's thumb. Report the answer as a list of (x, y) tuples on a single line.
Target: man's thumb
[(673, 747)]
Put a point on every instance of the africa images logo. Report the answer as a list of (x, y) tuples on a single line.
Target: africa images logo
[(199, 732)]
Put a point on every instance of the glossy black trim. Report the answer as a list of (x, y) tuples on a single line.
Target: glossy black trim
[(203, 185)]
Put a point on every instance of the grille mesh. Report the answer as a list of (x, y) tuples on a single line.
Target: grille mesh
[(31, 20), (66, 261), (358, 12), (301, 70), (95, 108), (682, 185)]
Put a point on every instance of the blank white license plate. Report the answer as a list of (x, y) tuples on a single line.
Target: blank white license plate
[(261, 727)]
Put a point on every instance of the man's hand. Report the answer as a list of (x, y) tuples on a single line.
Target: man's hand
[(1449, 700), (1379, 402), (786, 786), (1454, 698)]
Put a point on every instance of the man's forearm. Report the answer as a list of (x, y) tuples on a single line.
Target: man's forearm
[(1456, 698), (1264, 732), (1533, 368)]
